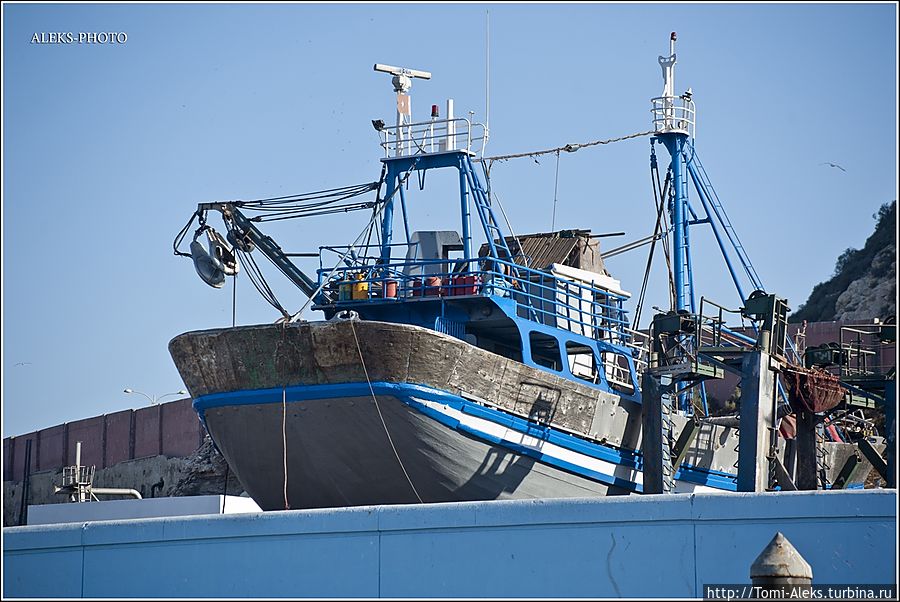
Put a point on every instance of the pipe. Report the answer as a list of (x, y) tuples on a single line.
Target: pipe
[(117, 491)]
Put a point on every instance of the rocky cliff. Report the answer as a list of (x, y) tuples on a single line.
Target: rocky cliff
[(863, 286)]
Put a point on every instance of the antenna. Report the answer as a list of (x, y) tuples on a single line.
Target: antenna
[(487, 72), (402, 81), (667, 63)]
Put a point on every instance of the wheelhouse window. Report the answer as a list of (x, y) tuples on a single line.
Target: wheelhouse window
[(618, 372), (545, 351), (582, 362)]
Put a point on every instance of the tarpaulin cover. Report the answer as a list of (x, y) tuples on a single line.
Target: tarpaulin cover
[(813, 390)]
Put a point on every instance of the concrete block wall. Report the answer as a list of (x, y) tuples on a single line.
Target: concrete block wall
[(648, 546), (118, 446), (170, 429)]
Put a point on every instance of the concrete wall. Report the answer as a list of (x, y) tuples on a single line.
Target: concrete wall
[(649, 546), (171, 429)]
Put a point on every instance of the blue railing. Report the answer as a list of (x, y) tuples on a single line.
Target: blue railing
[(540, 296)]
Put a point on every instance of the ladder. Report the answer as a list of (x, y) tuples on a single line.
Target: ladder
[(495, 238), (696, 167)]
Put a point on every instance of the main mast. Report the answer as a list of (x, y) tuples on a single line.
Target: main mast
[(673, 122)]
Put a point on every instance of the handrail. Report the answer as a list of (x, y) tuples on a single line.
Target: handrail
[(547, 298), (674, 114), (436, 135)]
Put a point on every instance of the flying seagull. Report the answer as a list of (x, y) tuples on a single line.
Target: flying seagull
[(834, 165), (23, 363)]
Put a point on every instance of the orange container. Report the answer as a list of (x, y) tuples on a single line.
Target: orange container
[(390, 289), (433, 286)]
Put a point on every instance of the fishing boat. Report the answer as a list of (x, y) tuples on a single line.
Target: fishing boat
[(468, 364)]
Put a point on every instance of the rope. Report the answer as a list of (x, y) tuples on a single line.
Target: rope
[(225, 491), (279, 347), (234, 300), (569, 148), (555, 190), (259, 281), (660, 210), (287, 505), (383, 423)]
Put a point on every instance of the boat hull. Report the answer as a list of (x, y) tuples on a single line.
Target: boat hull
[(345, 413), (350, 450)]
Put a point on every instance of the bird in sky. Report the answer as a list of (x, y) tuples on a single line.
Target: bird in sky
[(23, 363), (833, 165)]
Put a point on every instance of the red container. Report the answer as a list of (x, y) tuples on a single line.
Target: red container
[(390, 289), (417, 289), (464, 285)]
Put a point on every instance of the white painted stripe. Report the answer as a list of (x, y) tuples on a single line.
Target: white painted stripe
[(509, 435)]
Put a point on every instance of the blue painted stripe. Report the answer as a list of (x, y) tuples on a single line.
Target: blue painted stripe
[(405, 392)]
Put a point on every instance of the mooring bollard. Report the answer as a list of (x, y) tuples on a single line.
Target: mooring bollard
[(780, 568)]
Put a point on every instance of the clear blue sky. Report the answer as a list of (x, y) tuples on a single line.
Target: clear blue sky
[(108, 148)]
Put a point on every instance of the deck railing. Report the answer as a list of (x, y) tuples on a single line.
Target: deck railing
[(541, 297), (434, 136), (674, 114), (868, 350)]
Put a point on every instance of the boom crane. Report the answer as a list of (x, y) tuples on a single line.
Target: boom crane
[(247, 236)]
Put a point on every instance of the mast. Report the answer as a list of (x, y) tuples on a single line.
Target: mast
[(419, 146), (402, 82), (673, 121)]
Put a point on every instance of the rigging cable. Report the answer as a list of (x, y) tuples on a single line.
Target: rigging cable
[(379, 208), (569, 148), (287, 505), (308, 196), (555, 189), (491, 194), (259, 281), (656, 233), (665, 193), (183, 232), (378, 408)]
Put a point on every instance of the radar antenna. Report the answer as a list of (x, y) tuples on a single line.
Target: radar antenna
[(402, 81)]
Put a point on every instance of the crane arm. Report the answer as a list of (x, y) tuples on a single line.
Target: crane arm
[(247, 231)]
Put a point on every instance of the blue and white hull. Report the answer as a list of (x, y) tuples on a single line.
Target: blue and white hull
[(431, 446), (327, 437)]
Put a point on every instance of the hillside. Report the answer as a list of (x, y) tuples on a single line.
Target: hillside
[(864, 282)]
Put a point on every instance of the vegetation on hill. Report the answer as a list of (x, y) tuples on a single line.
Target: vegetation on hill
[(864, 282)]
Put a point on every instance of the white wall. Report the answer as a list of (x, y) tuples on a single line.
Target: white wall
[(619, 546)]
